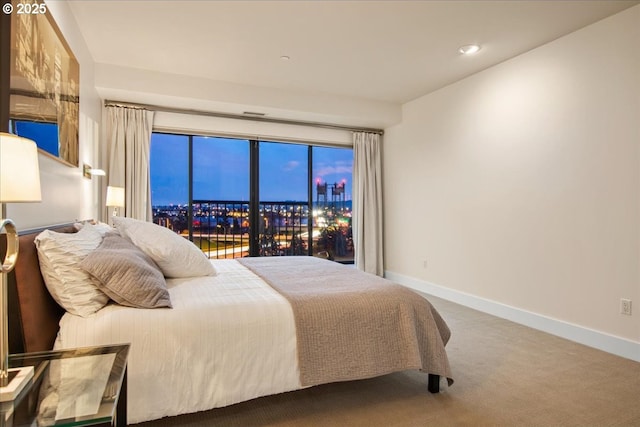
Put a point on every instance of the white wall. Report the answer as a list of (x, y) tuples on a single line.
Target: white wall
[(520, 187), (66, 195)]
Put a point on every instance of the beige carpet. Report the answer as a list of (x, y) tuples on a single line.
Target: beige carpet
[(505, 375)]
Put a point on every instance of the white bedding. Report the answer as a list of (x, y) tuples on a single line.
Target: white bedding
[(227, 339)]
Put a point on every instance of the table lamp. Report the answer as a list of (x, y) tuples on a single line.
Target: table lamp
[(115, 198), (19, 182)]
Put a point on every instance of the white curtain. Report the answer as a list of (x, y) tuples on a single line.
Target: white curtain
[(129, 141), (367, 202)]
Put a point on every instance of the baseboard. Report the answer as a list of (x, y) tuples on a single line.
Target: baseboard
[(589, 337)]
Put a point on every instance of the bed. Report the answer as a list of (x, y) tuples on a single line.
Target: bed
[(258, 326)]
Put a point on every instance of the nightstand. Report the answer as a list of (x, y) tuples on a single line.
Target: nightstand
[(76, 387)]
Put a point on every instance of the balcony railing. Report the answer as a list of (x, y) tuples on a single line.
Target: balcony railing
[(222, 228)]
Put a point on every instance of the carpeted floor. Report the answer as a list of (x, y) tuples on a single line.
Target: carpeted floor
[(505, 375)]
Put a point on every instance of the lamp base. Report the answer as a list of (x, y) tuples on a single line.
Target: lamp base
[(18, 378)]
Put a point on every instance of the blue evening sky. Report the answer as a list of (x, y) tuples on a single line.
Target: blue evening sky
[(221, 169)]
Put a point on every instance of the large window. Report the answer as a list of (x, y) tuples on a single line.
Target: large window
[(284, 226), (221, 172), (235, 197), (332, 177), (169, 165)]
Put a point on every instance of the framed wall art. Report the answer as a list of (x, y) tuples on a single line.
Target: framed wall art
[(44, 101)]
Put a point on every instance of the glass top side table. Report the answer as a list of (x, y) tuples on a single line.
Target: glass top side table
[(75, 387)]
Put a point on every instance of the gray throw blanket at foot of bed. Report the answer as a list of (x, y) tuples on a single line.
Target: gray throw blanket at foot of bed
[(353, 325)]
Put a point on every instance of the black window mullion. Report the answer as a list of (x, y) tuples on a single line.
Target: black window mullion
[(310, 200), (254, 198), (190, 204)]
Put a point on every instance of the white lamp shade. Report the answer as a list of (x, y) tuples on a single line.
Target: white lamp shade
[(19, 170), (115, 196)]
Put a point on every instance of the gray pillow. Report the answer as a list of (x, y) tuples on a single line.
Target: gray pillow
[(126, 274)]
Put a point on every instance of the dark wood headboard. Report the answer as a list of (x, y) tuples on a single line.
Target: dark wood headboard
[(34, 316)]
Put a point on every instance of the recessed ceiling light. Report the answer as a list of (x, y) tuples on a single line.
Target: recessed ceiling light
[(285, 57), (469, 49)]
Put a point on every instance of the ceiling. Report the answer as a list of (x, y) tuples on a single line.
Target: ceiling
[(389, 51)]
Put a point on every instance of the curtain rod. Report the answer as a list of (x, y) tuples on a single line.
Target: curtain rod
[(110, 103)]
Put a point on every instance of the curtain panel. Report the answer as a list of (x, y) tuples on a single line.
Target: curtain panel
[(129, 142), (367, 203)]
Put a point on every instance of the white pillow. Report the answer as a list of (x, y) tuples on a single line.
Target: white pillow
[(175, 255), (100, 227), (60, 255)]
